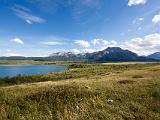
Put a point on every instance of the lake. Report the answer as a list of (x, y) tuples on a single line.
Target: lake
[(13, 70)]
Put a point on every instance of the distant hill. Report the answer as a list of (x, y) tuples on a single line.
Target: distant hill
[(13, 58), (155, 55), (114, 54)]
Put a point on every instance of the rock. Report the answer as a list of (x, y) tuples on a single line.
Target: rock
[(109, 101), (87, 87), (77, 107)]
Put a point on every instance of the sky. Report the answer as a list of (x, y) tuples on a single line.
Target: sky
[(42, 27)]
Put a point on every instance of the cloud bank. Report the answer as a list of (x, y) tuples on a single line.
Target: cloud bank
[(141, 45)]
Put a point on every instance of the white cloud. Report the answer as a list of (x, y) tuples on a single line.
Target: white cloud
[(13, 54), (139, 28), (156, 19), (75, 51), (22, 8), (89, 50), (17, 40), (25, 14), (53, 40), (52, 43), (143, 46), (113, 43), (141, 19), (82, 43), (137, 20), (29, 22), (136, 2), (8, 50), (99, 42)]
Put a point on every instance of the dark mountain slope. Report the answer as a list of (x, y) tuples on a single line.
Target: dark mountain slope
[(155, 55), (114, 54)]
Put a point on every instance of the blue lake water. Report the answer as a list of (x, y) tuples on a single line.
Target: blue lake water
[(11, 71)]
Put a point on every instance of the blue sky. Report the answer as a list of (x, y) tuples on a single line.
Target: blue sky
[(42, 27)]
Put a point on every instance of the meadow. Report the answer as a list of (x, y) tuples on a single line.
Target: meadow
[(97, 91)]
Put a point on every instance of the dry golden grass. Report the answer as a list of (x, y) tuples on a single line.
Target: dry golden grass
[(135, 94)]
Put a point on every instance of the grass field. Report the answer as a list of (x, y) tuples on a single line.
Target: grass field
[(84, 92)]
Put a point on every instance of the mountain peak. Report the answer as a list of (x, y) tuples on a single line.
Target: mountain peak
[(113, 48), (113, 54), (155, 55)]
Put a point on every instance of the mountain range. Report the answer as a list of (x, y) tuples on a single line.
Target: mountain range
[(108, 54), (114, 54)]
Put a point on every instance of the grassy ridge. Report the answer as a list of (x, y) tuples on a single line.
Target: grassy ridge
[(134, 89)]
